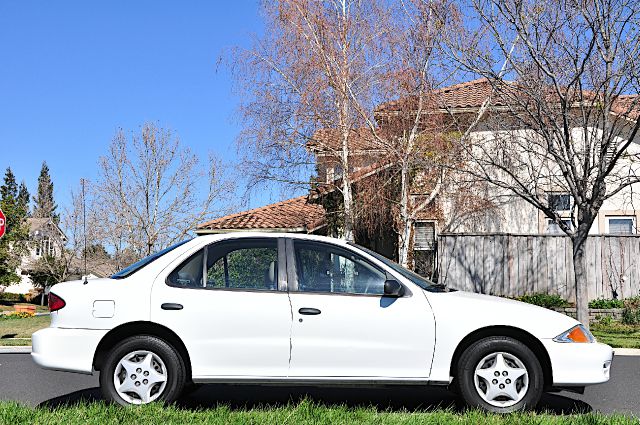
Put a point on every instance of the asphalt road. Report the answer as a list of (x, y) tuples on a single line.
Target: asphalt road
[(21, 380)]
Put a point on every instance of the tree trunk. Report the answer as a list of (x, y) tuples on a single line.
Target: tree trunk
[(347, 194), (347, 231), (579, 242), (405, 231)]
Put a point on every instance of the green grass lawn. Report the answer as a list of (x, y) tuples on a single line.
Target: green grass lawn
[(617, 334), (303, 413), (21, 328)]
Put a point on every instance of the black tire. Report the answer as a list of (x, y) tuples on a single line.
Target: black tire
[(474, 354), (190, 388), (173, 362)]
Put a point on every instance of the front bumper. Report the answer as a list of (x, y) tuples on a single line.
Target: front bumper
[(576, 364), (70, 350)]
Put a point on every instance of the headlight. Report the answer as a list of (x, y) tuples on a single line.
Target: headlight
[(576, 334)]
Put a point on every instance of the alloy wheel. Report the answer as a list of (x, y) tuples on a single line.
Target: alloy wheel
[(140, 377), (501, 379)]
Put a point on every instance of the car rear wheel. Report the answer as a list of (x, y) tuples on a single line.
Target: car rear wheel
[(499, 374), (141, 370)]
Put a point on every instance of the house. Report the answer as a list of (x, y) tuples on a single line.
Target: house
[(45, 239), (483, 209)]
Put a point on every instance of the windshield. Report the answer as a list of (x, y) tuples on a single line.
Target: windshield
[(129, 270), (413, 277)]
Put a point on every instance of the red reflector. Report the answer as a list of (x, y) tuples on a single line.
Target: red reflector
[(55, 302)]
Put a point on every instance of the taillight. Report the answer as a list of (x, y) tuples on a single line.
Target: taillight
[(55, 302)]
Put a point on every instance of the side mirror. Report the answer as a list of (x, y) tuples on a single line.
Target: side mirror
[(393, 288)]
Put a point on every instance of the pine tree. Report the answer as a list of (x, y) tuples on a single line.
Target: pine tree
[(9, 188), (23, 198), (44, 204), (13, 243)]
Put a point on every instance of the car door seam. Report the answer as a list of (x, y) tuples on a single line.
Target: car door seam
[(286, 261)]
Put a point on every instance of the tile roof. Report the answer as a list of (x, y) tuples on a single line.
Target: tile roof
[(293, 214), (327, 139), (472, 94)]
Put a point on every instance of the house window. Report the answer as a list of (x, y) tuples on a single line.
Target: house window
[(45, 247), (621, 225), (559, 201), (554, 229), (424, 248), (334, 173)]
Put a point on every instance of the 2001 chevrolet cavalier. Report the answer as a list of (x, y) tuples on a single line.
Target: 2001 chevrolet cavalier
[(283, 308)]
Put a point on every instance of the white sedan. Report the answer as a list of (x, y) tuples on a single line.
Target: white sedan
[(298, 309)]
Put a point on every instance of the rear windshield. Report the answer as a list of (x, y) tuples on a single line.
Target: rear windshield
[(129, 270)]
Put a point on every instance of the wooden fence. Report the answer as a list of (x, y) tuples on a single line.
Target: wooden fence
[(514, 265)]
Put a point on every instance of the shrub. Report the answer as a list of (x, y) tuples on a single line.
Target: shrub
[(606, 303), (608, 325), (605, 321), (8, 296), (13, 316), (544, 300), (632, 302), (631, 316)]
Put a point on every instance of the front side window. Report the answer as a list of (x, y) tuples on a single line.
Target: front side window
[(325, 268), (234, 264)]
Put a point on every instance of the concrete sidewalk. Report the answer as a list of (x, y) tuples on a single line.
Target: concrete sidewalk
[(15, 350)]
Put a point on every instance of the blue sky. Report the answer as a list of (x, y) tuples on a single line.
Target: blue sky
[(73, 72)]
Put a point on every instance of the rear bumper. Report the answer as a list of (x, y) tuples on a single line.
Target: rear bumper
[(579, 364), (69, 350)]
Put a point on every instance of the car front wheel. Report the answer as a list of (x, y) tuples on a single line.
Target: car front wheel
[(500, 374), (141, 370)]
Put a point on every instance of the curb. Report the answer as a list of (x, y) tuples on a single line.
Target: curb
[(22, 349)]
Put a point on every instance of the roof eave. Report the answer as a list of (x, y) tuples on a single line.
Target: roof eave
[(258, 230)]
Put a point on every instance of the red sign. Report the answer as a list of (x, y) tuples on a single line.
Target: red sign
[(3, 223)]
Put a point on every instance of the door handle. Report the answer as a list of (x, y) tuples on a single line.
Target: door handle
[(171, 306), (309, 311)]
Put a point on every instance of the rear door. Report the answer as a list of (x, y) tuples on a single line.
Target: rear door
[(229, 305), (344, 326)]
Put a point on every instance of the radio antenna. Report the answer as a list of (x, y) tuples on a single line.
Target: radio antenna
[(84, 231)]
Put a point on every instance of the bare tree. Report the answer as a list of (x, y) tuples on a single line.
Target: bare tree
[(567, 120), (61, 255), (151, 192), (317, 66), (402, 128)]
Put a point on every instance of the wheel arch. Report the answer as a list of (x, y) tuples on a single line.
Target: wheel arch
[(521, 335), (126, 330)]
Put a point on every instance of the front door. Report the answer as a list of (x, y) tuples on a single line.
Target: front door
[(235, 316), (343, 325)]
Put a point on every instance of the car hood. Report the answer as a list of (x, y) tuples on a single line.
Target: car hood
[(470, 311)]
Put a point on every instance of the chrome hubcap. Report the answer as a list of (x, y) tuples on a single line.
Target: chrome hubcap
[(501, 379), (140, 377)]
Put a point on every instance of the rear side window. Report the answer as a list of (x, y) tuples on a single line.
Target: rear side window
[(189, 273), (237, 264)]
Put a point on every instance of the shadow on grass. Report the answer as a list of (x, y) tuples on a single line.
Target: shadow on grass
[(239, 397)]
